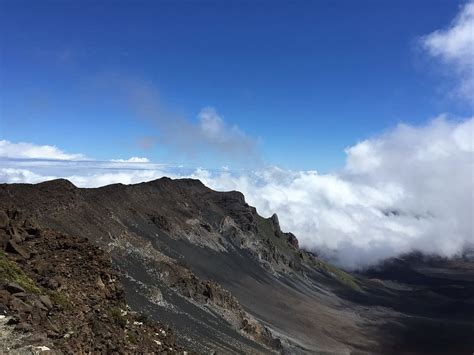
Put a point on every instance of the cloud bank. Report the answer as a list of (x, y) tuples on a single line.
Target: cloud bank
[(31, 151), (454, 46), (410, 188)]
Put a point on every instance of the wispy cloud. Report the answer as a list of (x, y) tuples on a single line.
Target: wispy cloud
[(132, 160), (207, 134), (147, 142), (454, 46)]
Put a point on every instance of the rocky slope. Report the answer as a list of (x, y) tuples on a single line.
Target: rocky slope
[(228, 280), (60, 292)]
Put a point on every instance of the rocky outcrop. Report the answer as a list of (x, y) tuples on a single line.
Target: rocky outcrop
[(205, 293), (293, 241), (275, 224)]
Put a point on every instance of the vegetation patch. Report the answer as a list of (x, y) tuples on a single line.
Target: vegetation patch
[(10, 272), (145, 319), (339, 274), (132, 338), (61, 299), (118, 317)]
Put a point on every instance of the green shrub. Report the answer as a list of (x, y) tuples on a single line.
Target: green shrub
[(118, 318), (131, 338), (61, 299)]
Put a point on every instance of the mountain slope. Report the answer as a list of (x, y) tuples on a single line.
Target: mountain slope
[(60, 292), (227, 279)]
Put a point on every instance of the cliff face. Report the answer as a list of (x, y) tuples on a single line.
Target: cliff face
[(223, 277)]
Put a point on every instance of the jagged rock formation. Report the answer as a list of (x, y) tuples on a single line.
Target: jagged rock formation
[(228, 280)]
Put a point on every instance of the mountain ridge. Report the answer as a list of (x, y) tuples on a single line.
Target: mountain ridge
[(227, 279)]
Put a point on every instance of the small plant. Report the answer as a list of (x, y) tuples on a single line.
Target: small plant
[(118, 317), (60, 299), (132, 338), (145, 319)]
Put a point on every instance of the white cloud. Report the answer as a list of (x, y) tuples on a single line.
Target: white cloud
[(216, 132), (455, 46), (410, 188), (132, 160), (107, 178), (32, 151), (12, 175), (85, 176)]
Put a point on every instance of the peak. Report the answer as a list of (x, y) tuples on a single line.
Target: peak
[(275, 222), (182, 181), (274, 219), (59, 183), (191, 182)]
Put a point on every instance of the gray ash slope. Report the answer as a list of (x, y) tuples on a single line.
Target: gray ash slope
[(229, 280)]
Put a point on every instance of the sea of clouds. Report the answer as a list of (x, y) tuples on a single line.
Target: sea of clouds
[(409, 189)]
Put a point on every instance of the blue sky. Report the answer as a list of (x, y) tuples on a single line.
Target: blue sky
[(303, 80)]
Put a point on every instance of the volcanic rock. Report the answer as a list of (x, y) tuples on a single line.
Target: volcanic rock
[(13, 247), (4, 220), (14, 288), (4, 238)]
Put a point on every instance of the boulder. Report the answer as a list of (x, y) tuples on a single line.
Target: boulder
[(21, 295), (13, 247), (46, 301), (4, 220), (51, 283), (39, 305), (3, 309), (20, 306), (13, 287), (4, 238), (16, 235), (4, 296)]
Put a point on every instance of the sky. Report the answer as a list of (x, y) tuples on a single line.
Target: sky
[(302, 79), (353, 120)]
